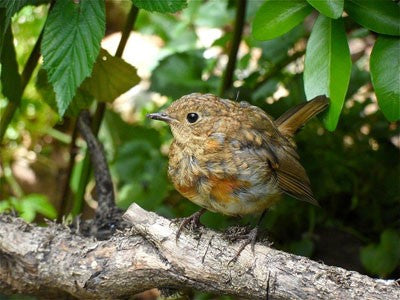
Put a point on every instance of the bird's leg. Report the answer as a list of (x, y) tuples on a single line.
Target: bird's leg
[(250, 238), (193, 220)]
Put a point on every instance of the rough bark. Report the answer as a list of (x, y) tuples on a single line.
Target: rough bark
[(54, 262)]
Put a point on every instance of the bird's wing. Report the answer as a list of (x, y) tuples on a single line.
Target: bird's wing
[(281, 154)]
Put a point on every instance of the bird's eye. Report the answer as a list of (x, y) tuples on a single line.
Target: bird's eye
[(192, 117)]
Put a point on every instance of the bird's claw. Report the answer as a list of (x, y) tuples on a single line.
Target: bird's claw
[(192, 222), (249, 238)]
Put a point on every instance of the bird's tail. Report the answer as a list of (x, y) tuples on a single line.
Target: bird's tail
[(292, 120)]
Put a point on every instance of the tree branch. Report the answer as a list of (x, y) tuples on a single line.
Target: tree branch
[(54, 262)]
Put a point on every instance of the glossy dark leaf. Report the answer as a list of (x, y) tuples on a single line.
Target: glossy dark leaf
[(70, 46), (328, 66), (385, 74), (330, 8), (275, 18), (380, 16)]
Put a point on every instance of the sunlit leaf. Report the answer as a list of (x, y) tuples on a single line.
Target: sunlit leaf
[(28, 206), (162, 6), (70, 45), (330, 8), (275, 18), (328, 66), (385, 75), (111, 77), (5, 206), (383, 258), (380, 16), (10, 78)]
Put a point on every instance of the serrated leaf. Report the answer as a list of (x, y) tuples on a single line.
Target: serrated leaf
[(328, 66), (70, 46), (111, 77), (380, 16), (330, 8), (162, 6), (383, 258), (385, 70), (275, 17), (10, 78), (81, 100)]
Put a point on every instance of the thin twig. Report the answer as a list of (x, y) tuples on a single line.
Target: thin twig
[(227, 78), (99, 115)]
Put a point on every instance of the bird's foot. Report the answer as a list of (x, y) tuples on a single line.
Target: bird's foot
[(192, 222), (249, 236)]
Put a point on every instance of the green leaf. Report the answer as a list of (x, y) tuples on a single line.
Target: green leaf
[(330, 8), (380, 16), (111, 77), (81, 100), (328, 66), (37, 203), (11, 7), (162, 6), (304, 247), (385, 70), (10, 78), (275, 18), (180, 74), (70, 46), (5, 206), (383, 258)]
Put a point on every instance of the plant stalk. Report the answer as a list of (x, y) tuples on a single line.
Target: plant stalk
[(98, 116), (227, 78)]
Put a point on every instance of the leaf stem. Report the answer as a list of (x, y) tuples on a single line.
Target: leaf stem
[(98, 116), (227, 78)]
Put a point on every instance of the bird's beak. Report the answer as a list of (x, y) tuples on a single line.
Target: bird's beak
[(160, 116)]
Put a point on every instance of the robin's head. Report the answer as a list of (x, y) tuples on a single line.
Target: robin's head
[(195, 116)]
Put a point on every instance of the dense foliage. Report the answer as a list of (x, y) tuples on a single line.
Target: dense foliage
[(286, 52)]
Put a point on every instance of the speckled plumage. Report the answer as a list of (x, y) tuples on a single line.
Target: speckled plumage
[(235, 159)]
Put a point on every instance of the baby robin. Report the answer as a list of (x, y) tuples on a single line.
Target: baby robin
[(232, 157)]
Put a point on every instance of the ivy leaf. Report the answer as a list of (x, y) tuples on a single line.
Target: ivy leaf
[(10, 78), (275, 18), (328, 66), (383, 258), (380, 16), (330, 8), (162, 6), (111, 77), (385, 70), (70, 46)]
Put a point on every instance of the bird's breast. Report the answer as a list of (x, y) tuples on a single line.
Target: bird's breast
[(220, 183)]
